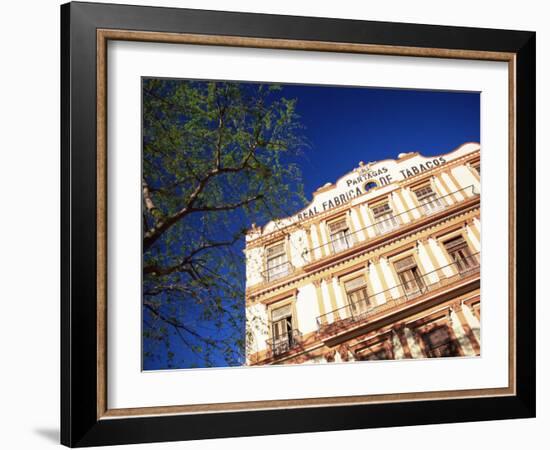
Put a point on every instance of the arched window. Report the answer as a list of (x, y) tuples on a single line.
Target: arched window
[(370, 185)]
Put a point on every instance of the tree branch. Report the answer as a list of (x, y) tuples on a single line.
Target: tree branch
[(179, 325), (221, 126), (230, 206), (152, 235), (185, 265), (167, 288), (149, 204)]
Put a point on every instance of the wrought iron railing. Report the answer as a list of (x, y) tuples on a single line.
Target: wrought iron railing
[(278, 271), (284, 342), (431, 205), (423, 284), (343, 242), (385, 225)]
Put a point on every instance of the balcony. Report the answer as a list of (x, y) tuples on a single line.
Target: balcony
[(343, 243), (385, 224), (360, 311), (432, 205), (283, 343), (277, 272)]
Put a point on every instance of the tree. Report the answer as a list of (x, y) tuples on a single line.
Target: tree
[(217, 156)]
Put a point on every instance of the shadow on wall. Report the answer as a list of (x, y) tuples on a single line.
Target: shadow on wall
[(49, 434)]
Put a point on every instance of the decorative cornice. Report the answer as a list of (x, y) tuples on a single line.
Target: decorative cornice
[(384, 249), (403, 184)]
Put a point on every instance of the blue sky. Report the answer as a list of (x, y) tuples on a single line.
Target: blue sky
[(345, 125), (348, 124)]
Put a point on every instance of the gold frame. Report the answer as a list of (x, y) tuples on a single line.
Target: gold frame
[(103, 36)]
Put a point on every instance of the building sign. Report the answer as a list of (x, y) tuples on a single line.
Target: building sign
[(337, 200), (367, 177), (422, 167)]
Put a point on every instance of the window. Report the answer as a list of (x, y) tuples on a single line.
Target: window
[(283, 336), (340, 237), (384, 218), (409, 276), (276, 262), (429, 202), (377, 351), (376, 355), (460, 254), (357, 294), (370, 185), (439, 343), (477, 167)]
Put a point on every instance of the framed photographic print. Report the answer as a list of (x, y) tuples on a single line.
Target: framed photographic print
[(277, 224)]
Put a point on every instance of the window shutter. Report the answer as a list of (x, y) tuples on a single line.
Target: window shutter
[(455, 244), (354, 284), (281, 313), (438, 337), (381, 209), (405, 264), (340, 225), (424, 191), (275, 250)]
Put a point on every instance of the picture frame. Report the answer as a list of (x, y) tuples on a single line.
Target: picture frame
[(86, 418)]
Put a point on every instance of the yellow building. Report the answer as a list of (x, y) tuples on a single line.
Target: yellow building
[(383, 264)]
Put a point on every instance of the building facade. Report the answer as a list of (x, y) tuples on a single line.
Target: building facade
[(383, 264)]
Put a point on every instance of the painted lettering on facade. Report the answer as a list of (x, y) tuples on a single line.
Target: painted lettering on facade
[(333, 202), (364, 179), (422, 167)]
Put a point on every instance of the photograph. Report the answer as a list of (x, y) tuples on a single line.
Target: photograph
[(281, 223), (308, 224)]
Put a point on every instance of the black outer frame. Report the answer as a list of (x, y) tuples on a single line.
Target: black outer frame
[(79, 424)]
